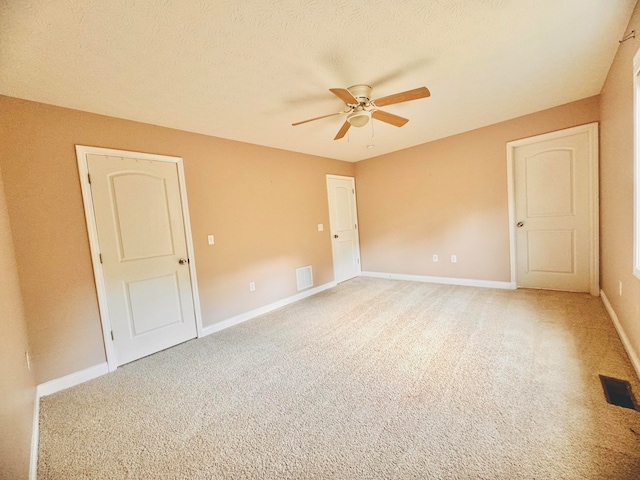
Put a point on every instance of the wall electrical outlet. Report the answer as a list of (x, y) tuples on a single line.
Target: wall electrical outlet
[(252, 286), (435, 258), (454, 259), (210, 239)]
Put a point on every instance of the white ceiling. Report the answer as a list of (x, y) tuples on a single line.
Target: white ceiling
[(247, 69)]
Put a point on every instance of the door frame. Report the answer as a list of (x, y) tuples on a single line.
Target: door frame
[(355, 205), (87, 199), (594, 215)]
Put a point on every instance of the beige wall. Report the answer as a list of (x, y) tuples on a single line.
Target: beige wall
[(616, 187), (263, 205), (449, 197), (16, 381)]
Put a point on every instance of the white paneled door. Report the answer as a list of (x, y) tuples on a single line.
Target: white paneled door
[(553, 211), (344, 227), (143, 249)]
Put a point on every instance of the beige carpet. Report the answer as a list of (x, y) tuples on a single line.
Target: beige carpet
[(374, 379)]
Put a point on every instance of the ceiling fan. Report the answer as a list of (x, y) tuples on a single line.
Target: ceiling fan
[(360, 107)]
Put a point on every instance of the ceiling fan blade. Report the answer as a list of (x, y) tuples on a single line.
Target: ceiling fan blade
[(343, 130), (390, 118), (317, 118), (414, 94), (344, 95)]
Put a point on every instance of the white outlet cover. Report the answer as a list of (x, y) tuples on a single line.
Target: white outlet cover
[(435, 258), (454, 259), (320, 227), (210, 239)]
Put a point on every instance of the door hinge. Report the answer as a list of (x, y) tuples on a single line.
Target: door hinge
[(356, 226), (100, 255), (353, 190), (89, 178), (358, 261), (112, 337)]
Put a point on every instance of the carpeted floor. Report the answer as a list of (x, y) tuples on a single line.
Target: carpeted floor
[(373, 379)]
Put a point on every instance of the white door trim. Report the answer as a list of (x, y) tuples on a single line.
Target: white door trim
[(83, 168), (355, 204), (594, 219)]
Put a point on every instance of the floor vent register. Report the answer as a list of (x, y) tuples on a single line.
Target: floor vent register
[(618, 392)]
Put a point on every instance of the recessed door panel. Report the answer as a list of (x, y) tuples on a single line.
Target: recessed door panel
[(549, 187), (551, 251), (346, 251), (149, 311), (343, 220), (141, 215)]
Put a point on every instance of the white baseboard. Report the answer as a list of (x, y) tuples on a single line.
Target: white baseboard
[(467, 282), (35, 435), (633, 356), (72, 379), (243, 317)]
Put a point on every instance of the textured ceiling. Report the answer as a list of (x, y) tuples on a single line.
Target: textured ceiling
[(246, 70)]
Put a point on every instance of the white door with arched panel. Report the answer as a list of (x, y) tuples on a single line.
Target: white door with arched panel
[(555, 210), (144, 257), (343, 220)]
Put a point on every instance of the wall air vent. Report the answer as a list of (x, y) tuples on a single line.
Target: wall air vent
[(304, 277)]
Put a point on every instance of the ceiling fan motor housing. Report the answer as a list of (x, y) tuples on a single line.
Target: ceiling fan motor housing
[(362, 93)]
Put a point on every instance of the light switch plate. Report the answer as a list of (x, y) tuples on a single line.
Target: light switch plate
[(210, 239), (320, 227)]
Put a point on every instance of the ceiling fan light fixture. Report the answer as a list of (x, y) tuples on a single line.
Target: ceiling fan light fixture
[(359, 118)]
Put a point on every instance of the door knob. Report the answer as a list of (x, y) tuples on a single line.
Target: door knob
[(183, 261), (335, 236), (519, 224)]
